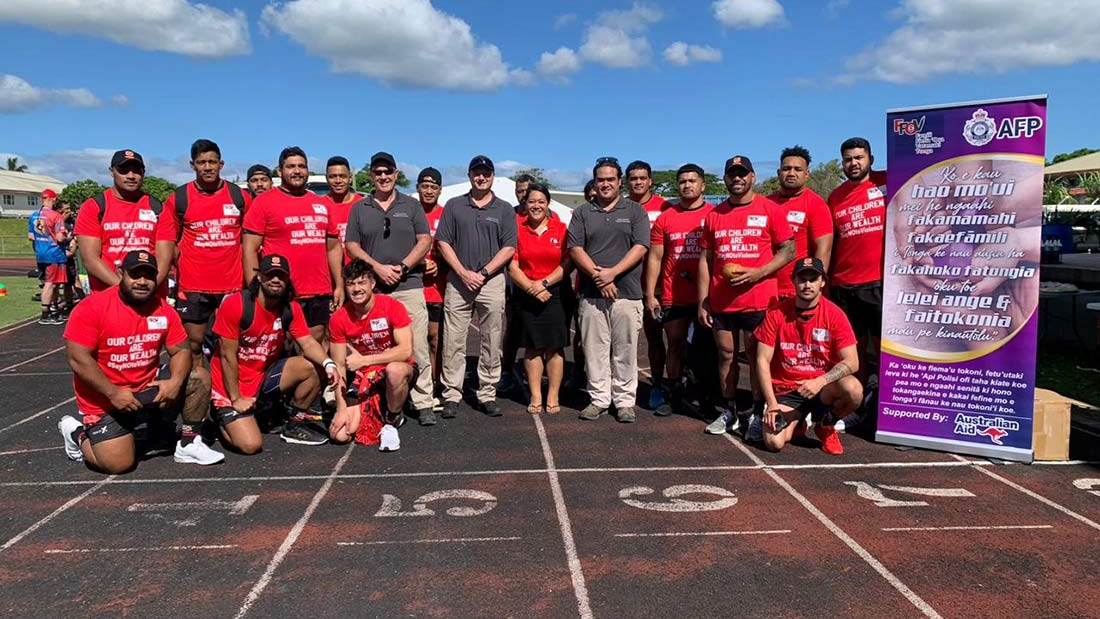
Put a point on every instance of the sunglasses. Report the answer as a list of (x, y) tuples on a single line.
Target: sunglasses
[(386, 229), (383, 172), (611, 160), (738, 172)]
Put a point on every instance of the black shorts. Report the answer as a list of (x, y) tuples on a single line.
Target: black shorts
[(268, 394), (435, 312), (737, 321), (863, 305), (317, 310), (799, 402), (679, 312), (198, 307), (113, 424)]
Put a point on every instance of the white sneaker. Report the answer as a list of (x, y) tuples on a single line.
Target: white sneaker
[(197, 452), (437, 404), (726, 422), (328, 396), (755, 431), (839, 426), (67, 425), (391, 441)]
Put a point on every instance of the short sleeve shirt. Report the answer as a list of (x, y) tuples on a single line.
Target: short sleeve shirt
[(539, 254), (388, 235), (294, 227), (475, 233), (859, 216), (126, 342), (372, 334), (606, 236), (338, 213), (746, 236), (435, 285), (126, 226), (654, 206), (806, 346), (809, 218), (47, 226), (259, 346), (678, 230), (209, 239)]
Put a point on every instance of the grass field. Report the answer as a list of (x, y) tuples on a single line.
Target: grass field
[(18, 304), (13, 238)]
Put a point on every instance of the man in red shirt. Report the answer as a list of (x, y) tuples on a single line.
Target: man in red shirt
[(259, 179), (858, 206), (806, 358), (639, 184), (292, 221), (378, 331), (118, 221), (746, 239), (807, 214), (671, 296), (339, 200), (248, 372), (429, 184), (113, 343), (200, 229)]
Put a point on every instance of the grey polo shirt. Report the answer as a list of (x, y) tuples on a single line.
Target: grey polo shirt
[(367, 226), (607, 236), (476, 234)]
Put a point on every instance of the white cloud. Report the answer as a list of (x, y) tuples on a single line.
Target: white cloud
[(942, 37), (120, 100), (564, 20), (836, 7), (177, 26), (74, 165), (748, 13), (681, 54), (17, 95), (408, 43), (617, 38), (559, 65)]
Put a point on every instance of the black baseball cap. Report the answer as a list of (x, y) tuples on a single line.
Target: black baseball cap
[(382, 158), (259, 168), (431, 174), (808, 264), (481, 161), (122, 156), (739, 161), (139, 258), (274, 263)]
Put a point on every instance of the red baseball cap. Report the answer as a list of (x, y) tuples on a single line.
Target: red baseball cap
[(49, 193)]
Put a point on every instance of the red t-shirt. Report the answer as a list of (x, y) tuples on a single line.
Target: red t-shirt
[(805, 347), (679, 230), (435, 285), (210, 245), (294, 227), (654, 206), (859, 216), (126, 226), (258, 347), (373, 333), (338, 213), (126, 342), (809, 218), (745, 235), (538, 255)]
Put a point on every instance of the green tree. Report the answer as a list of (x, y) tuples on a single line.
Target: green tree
[(15, 166), (1090, 182), (664, 184), (158, 187), (363, 183), (825, 177), (76, 193), (538, 173), (1080, 152), (768, 187)]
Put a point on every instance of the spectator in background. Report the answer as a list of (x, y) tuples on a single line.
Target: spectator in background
[(429, 184), (259, 179), (50, 238)]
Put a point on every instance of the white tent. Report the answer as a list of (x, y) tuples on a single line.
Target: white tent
[(505, 189)]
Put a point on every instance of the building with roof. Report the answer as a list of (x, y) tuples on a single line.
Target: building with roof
[(20, 192), (1071, 169)]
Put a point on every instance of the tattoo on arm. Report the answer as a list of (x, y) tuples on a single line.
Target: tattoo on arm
[(838, 372)]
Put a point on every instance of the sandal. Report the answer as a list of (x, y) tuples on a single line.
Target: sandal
[(553, 410), (534, 409)]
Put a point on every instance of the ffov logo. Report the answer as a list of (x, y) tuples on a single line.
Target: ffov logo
[(993, 428), (908, 127)]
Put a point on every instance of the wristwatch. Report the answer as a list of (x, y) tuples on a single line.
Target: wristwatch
[(404, 270), (546, 284), (484, 273)]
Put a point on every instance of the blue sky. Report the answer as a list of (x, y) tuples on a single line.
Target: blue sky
[(546, 84)]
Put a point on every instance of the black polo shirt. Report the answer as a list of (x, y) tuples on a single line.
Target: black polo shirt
[(476, 233), (367, 226), (607, 236)]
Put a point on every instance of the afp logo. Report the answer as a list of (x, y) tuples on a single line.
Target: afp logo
[(981, 129), (908, 127)]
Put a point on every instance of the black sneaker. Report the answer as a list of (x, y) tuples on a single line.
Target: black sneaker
[(491, 408), (303, 433), (450, 410), (426, 417)]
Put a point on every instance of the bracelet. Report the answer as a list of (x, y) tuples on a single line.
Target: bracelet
[(329, 362)]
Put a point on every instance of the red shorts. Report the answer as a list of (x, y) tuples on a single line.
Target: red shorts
[(56, 274)]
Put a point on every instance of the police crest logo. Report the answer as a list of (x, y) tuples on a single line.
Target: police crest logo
[(980, 129)]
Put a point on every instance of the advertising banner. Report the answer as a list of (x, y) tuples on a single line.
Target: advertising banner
[(961, 276)]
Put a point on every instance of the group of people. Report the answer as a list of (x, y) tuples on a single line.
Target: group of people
[(326, 318), (50, 232)]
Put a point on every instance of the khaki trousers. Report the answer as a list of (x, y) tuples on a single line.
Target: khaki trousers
[(413, 300), (459, 307), (609, 336)]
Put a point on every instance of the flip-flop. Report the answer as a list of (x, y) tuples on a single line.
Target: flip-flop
[(534, 409), (553, 410)]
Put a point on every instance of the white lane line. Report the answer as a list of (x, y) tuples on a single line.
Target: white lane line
[(65, 551), (872, 465), (35, 358), (997, 527), (55, 513), (1066, 463), (28, 451), (37, 415), (580, 588), (292, 537), (1038, 497), (924, 607), (20, 325), (453, 540), (703, 533)]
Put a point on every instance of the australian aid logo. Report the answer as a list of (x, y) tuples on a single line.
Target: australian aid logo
[(982, 128), (993, 428)]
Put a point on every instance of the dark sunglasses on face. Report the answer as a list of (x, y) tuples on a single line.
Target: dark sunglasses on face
[(386, 229), (382, 172)]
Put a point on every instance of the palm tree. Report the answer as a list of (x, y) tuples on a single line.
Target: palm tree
[(14, 165)]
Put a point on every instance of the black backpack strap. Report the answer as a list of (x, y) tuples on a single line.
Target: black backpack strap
[(101, 201), (248, 309), (288, 317), (181, 203), (237, 197)]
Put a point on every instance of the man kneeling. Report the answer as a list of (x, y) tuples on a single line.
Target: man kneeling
[(814, 366), (248, 372), (378, 331)]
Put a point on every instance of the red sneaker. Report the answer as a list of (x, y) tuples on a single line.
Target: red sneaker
[(799, 430), (830, 439)]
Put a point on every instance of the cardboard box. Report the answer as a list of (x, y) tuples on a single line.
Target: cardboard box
[(1051, 433)]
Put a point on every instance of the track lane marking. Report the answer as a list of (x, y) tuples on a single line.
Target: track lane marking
[(55, 513), (990, 527), (19, 325), (66, 551), (32, 359), (37, 415), (703, 533), (453, 540)]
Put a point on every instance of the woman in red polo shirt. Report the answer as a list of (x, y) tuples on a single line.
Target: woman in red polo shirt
[(538, 272)]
